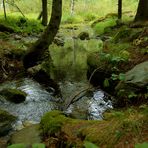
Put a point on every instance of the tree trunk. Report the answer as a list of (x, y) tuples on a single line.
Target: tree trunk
[(44, 13), (119, 9), (4, 7), (35, 53), (142, 11), (71, 7)]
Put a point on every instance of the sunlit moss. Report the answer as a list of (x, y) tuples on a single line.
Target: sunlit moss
[(109, 132)]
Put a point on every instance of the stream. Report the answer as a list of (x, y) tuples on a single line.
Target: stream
[(38, 101), (70, 72)]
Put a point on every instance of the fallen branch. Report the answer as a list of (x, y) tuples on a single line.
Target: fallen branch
[(79, 95), (76, 97)]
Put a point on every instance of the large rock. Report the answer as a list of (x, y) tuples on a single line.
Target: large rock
[(135, 83), (6, 121), (13, 95), (137, 76)]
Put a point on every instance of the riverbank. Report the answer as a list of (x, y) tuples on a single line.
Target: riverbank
[(107, 60)]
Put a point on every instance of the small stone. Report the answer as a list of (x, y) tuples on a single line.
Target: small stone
[(17, 37)]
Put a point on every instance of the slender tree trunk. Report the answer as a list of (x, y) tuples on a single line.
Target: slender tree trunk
[(142, 11), (119, 9), (71, 7), (4, 7), (35, 53), (44, 13)]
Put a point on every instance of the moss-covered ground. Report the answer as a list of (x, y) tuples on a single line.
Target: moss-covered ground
[(118, 129)]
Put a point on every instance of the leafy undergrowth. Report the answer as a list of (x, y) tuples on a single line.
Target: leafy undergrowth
[(118, 129), (22, 25), (124, 47)]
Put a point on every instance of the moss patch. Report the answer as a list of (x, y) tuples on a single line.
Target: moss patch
[(117, 128)]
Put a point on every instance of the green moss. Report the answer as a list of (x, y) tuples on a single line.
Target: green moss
[(38, 145), (141, 145), (21, 24), (52, 122), (112, 130), (99, 28), (21, 145)]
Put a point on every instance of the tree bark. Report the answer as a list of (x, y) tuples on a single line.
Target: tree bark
[(4, 7), (44, 13), (119, 9), (142, 11), (71, 7), (35, 53)]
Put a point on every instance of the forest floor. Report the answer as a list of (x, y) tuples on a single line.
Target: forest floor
[(122, 128)]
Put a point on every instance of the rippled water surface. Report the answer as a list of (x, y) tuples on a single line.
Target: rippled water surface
[(90, 106), (36, 104)]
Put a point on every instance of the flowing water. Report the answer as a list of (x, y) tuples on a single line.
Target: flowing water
[(70, 70), (38, 101)]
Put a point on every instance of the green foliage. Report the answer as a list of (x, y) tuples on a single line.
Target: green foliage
[(123, 33), (88, 144), (21, 24), (72, 19), (120, 77), (131, 95), (38, 145), (106, 83), (99, 27), (21, 145), (142, 145), (89, 16)]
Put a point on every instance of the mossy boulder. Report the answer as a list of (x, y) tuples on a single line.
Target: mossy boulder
[(58, 41), (84, 36), (135, 84), (6, 121), (13, 95)]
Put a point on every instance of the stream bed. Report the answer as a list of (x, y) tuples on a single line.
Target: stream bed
[(39, 101)]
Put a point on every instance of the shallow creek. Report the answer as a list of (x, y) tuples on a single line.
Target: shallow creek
[(90, 106), (71, 67)]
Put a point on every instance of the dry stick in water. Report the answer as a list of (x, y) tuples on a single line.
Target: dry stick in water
[(76, 97)]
